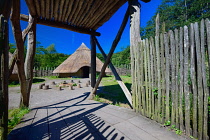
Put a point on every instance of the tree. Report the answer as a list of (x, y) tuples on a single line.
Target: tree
[(177, 13), (25, 68)]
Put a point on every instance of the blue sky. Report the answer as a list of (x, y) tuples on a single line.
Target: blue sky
[(67, 41)]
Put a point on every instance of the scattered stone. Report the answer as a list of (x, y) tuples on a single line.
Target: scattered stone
[(41, 85), (59, 88), (87, 84), (79, 81), (79, 85), (71, 87), (72, 81), (46, 87), (53, 83)]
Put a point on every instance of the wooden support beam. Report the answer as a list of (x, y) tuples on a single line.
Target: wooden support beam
[(93, 61), (4, 76), (114, 45), (134, 7), (61, 25), (117, 77)]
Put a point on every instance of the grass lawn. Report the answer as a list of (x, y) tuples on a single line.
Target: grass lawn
[(112, 92), (14, 117)]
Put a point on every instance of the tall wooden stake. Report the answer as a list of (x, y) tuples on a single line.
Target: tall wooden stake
[(114, 45), (4, 59), (93, 61), (135, 38)]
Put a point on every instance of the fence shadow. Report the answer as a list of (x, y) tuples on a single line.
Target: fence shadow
[(69, 119)]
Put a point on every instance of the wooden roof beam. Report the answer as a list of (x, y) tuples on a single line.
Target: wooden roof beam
[(61, 25)]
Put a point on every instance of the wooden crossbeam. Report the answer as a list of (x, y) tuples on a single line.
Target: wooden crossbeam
[(61, 25), (117, 77), (114, 45)]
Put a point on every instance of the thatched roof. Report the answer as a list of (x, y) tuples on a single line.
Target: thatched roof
[(15, 69), (80, 58), (76, 15)]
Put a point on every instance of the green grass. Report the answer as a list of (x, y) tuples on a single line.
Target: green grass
[(15, 116), (56, 77), (112, 92)]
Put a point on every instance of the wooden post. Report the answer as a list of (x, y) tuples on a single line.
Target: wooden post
[(114, 45), (4, 73), (93, 62), (31, 48), (134, 7)]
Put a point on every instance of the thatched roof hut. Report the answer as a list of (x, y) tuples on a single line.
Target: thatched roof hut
[(78, 64), (14, 75)]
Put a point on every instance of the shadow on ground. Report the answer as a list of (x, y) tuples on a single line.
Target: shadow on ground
[(68, 119), (114, 93)]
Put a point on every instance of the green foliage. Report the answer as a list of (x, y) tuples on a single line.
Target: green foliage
[(167, 123), (177, 13), (15, 116), (155, 92), (74, 84), (48, 57)]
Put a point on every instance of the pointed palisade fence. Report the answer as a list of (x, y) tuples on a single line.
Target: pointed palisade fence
[(171, 74)]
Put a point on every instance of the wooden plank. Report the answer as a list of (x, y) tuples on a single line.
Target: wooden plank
[(149, 79), (31, 7), (77, 12), (37, 5), (167, 76), (61, 9), (68, 13), (81, 12), (91, 5), (55, 10), (162, 61), (194, 80), (109, 14), (47, 9), (199, 81), (177, 78), (186, 85), (65, 9), (51, 9), (207, 23), (138, 75), (43, 8), (142, 78), (61, 25), (157, 46), (152, 76), (74, 8), (181, 48), (173, 78), (146, 79), (155, 86), (205, 86)]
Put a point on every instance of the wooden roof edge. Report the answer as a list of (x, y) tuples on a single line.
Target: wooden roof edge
[(61, 25), (146, 0)]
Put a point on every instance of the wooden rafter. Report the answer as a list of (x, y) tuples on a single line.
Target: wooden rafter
[(61, 25)]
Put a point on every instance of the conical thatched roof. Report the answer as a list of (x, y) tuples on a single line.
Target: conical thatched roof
[(15, 69), (80, 58)]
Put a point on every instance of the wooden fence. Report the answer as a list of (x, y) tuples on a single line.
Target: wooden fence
[(171, 79), (41, 72)]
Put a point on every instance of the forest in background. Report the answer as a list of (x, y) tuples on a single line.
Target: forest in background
[(173, 14)]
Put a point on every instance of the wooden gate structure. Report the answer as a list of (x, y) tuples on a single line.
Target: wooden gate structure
[(83, 16)]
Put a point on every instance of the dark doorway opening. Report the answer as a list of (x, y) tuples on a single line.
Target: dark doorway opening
[(85, 71)]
